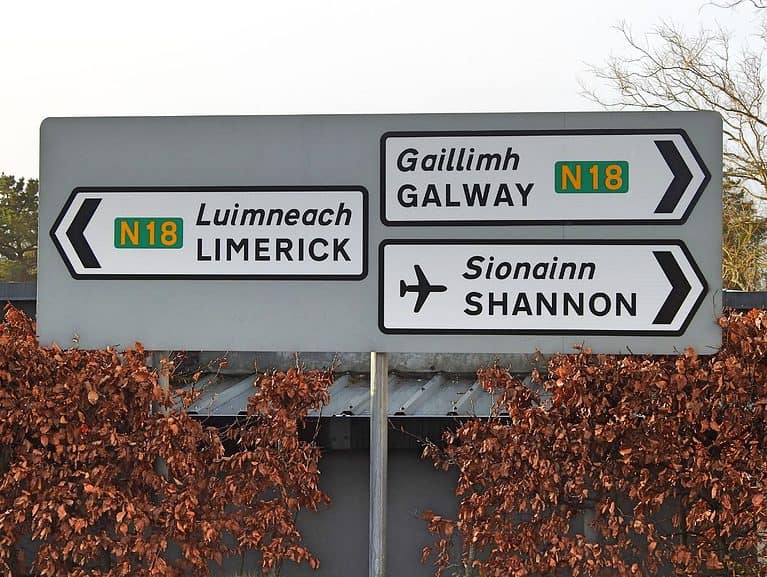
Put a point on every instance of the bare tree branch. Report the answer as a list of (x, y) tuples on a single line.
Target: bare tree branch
[(669, 69), (759, 4)]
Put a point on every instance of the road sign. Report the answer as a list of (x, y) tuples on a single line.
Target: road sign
[(636, 287), (214, 233), (540, 177), (254, 234)]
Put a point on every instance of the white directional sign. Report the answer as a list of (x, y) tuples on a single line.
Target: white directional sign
[(539, 177), (537, 287), (247, 233), (256, 233)]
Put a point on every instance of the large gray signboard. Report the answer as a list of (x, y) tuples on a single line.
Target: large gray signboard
[(393, 233)]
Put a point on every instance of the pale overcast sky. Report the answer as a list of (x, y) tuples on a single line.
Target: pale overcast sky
[(162, 57)]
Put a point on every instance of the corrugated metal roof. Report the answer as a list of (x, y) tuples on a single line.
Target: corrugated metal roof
[(244, 362), (410, 395)]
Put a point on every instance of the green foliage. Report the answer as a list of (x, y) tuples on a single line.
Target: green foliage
[(744, 231), (18, 228)]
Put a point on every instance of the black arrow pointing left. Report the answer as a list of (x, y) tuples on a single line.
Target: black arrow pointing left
[(76, 233)]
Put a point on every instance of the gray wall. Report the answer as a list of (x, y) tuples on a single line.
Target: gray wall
[(338, 535)]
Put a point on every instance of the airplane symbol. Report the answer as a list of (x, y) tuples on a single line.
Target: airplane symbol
[(423, 288)]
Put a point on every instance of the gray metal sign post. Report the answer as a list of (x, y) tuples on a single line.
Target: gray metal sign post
[(379, 419)]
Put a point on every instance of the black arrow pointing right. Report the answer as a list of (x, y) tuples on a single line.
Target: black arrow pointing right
[(76, 233), (681, 180), (680, 287)]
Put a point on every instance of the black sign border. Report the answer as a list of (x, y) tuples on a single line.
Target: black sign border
[(590, 242), (282, 188), (553, 132)]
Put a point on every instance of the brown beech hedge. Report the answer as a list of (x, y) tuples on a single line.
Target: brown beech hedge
[(81, 492), (617, 465)]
